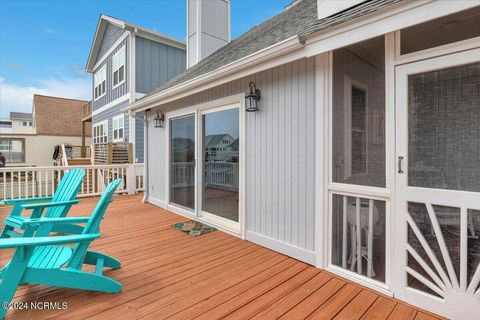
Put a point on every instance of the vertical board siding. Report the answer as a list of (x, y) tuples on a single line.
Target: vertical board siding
[(279, 152), (111, 93), (112, 33), (156, 63)]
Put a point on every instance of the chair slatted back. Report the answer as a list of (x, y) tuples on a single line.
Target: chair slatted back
[(67, 189), (93, 224)]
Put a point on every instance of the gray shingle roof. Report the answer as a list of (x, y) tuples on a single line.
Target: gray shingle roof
[(20, 115), (299, 20), (278, 28)]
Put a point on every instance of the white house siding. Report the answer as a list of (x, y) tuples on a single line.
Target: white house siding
[(39, 149), (279, 150)]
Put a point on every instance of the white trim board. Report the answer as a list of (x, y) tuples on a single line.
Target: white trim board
[(111, 104), (282, 247)]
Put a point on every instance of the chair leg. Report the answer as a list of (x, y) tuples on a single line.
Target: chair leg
[(5, 230), (91, 257), (12, 276)]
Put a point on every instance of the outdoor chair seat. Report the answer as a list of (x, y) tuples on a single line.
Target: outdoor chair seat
[(50, 257)]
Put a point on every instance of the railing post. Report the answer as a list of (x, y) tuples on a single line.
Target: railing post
[(130, 179)]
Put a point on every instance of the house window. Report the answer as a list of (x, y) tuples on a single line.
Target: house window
[(118, 128), (100, 132), (13, 150), (355, 127), (118, 67), (27, 123), (358, 114), (99, 80)]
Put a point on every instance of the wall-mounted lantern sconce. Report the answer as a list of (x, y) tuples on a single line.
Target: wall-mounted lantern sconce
[(159, 120), (252, 98)]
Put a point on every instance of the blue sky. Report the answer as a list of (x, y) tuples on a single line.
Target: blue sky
[(44, 44)]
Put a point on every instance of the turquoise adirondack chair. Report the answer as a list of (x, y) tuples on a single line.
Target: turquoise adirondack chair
[(57, 206), (50, 261)]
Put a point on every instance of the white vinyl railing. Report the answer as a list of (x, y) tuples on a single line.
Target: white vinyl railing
[(222, 175), (30, 182)]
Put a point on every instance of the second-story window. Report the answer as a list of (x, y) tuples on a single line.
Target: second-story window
[(99, 80), (118, 67)]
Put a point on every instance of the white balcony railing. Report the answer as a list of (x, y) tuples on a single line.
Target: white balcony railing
[(222, 175), (30, 182)]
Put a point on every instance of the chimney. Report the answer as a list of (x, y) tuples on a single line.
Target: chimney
[(327, 8), (208, 28)]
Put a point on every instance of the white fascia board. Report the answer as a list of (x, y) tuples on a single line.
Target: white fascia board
[(224, 74), (155, 36), (100, 30)]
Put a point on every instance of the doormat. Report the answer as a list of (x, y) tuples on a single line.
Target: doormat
[(193, 228)]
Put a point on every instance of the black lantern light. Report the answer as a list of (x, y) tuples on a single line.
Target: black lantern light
[(159, 119), (251, 99)]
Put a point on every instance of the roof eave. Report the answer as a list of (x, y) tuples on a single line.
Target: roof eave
[(275, 50), (101, 25)]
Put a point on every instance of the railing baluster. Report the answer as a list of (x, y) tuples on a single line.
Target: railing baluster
[(26, 184), (359, 236), (344, 234), (370, 239)]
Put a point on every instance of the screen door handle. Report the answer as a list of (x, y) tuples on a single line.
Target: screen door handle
[(400, 159)]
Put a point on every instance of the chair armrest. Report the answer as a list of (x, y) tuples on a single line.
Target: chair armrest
[(65, 220), (26, 200), (49, 204), (42, 241)]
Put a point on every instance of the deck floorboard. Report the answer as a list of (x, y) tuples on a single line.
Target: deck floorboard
[(168, 275)]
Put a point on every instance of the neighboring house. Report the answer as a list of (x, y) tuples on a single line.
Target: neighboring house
[(216, 147), (363, 157), (127, 62), (31, 138)]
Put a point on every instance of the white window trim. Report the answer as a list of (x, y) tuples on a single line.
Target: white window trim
[(122, 49), (122, 118), (105, 124), (348, 84), (102, 69)]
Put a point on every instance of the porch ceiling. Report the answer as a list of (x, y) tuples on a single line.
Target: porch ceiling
[(167, 274)]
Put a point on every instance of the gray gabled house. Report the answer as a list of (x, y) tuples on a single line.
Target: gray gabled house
[(126, 62)]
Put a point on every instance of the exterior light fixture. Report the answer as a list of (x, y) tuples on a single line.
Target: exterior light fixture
[(159, 120), (251, 99)]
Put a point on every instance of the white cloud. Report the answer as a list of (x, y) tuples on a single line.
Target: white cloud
[(14, 97)]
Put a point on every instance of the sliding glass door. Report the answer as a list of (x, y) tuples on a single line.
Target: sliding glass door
[(182, 161), (220, 164)]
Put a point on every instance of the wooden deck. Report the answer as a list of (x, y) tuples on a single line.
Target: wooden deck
[(167, 274)]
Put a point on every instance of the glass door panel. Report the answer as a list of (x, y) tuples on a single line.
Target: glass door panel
[(220, 136), (182, 161)]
